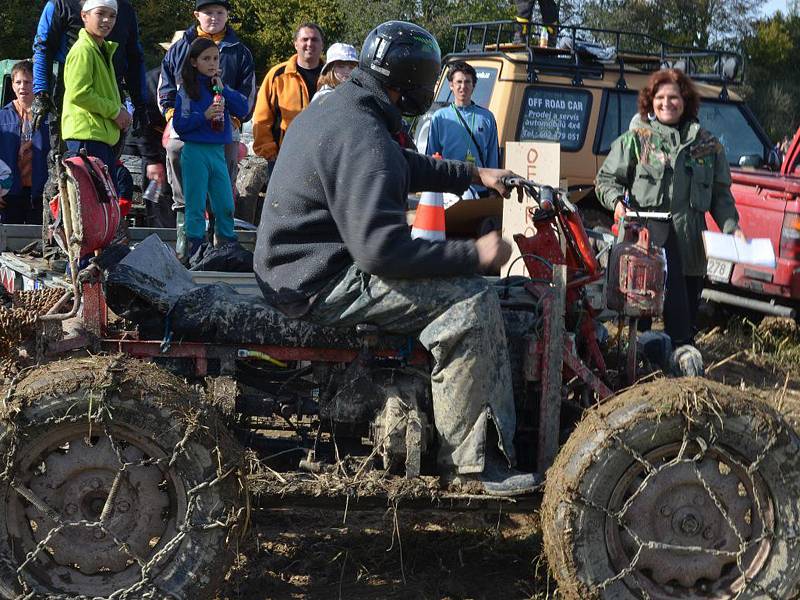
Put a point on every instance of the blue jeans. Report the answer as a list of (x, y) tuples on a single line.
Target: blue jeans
[(97, 149), (205, 173)]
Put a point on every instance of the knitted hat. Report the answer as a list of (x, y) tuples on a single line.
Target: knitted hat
[(91, 4), (339, 52), (201, 3)]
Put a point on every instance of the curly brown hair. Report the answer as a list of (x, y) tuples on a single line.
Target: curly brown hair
[(691, 99)]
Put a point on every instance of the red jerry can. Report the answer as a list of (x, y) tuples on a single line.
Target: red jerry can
[(636, 277)]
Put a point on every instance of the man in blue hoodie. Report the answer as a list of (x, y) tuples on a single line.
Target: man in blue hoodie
[(238, 73)]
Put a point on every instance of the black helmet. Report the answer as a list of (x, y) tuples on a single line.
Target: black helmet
[(406, 57)]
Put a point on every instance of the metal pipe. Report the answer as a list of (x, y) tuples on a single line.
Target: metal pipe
[(769, 308)]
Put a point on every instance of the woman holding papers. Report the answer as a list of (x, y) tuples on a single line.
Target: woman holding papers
[(666, 162)]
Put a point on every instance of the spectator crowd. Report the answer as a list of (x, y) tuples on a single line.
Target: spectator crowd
[(87, 91)]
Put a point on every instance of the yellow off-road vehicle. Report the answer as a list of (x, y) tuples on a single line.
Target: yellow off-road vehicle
[(581, 90)]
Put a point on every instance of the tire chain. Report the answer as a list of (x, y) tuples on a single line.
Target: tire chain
[(145, 588), (654, 470)]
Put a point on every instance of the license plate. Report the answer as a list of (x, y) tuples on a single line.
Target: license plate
[(719, 270)]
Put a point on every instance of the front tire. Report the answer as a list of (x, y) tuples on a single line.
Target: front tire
[(681, 488), (116, 480)]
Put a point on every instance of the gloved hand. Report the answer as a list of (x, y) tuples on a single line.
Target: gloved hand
[(40, 107), (141, 120)]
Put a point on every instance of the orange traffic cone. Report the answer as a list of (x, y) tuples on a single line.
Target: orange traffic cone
[(429, 220)]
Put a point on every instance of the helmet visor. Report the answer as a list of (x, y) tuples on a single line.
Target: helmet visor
[(416, 101)]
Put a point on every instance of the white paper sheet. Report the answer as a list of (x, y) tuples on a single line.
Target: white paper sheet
[(756, 251)]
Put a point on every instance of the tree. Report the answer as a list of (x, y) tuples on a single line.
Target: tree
[(773, 86), (701, 23), (19, 19)]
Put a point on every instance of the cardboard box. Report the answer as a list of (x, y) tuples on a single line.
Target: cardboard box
[(540, 162)]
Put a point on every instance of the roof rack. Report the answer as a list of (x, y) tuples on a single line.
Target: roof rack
[(589, 51)]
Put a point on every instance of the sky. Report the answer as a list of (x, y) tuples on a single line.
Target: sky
[(774, 5)]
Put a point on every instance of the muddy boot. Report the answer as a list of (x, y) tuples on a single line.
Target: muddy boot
[(498, 479), (180, 232), (686, 361), (193, 246)]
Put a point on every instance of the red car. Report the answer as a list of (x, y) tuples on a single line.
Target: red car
[(769, 207)]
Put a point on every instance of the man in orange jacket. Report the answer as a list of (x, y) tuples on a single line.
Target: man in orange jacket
[(287, 89)]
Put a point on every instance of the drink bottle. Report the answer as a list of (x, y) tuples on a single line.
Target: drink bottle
[(218, 122)]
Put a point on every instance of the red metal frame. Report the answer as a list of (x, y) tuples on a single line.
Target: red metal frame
[(95, 319), (201, 352)]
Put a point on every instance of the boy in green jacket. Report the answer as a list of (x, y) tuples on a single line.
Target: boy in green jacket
[(93, 114)]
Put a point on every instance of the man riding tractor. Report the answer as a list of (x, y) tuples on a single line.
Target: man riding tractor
[(334, 248)]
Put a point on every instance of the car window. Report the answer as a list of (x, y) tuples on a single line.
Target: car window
[(6, 92), (620, 108), (483, 89), (555, 114), (726, 120)]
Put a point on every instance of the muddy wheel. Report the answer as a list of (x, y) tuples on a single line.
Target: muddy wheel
[(681, 488), (116, 482)]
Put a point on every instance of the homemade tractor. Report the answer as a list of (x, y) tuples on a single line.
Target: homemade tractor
[(126, 478)]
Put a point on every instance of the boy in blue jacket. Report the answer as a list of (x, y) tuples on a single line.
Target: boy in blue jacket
[(202, 119)]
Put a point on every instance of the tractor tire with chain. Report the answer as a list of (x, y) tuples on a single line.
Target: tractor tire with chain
[(117, 482), (680, 488)]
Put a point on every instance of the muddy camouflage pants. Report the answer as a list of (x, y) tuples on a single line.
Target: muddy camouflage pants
[(459, 321)]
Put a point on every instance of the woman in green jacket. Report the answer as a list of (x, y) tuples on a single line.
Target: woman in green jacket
[(666, 162)]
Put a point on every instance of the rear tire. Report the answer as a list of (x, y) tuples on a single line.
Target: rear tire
[(68, 430), (700, 468)]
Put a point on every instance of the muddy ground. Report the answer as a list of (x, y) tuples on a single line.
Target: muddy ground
[(416, 553)]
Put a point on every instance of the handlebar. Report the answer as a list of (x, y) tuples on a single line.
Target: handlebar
[(558, 198)]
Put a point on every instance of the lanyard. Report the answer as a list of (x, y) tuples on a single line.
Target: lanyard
[(469, 127), (470, 134)]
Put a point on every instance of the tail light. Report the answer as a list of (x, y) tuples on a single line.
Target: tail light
[(790, 236)]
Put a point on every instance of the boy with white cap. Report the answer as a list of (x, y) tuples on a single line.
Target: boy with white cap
[(93, 114)]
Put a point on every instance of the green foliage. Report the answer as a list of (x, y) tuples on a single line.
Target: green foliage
[(773, 84), (771, 45), (19, 19), (158, 20), (268, 27), (682, 22)]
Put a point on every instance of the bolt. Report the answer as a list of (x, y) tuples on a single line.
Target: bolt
[(690, 525), (707, 533), (123, 506), (666, 510), (71, 508), (95, 483), (99, 534)]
